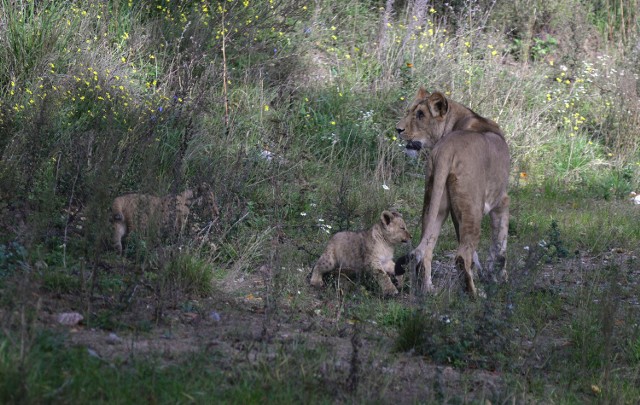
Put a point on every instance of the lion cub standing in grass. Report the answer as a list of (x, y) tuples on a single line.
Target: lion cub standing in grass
[(130, 212), (370, 250)]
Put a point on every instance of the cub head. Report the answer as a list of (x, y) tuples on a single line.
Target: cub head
[(393, 227), (425, 121), (202, 196)]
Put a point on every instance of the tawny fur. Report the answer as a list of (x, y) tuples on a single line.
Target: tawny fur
[(136, 211), (370, 250), (468, 173)]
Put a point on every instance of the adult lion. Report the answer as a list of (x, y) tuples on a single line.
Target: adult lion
[(467, 177)]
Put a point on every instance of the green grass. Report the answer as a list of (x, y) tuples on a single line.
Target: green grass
[(55, 373)]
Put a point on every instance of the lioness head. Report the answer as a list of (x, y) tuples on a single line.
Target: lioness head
[(425, 121), (394, 229)]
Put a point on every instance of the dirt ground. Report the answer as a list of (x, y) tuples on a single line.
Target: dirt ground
[(244, 327)]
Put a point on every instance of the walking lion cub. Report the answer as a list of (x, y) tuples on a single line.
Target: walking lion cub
[(370, 250), (137, 211)]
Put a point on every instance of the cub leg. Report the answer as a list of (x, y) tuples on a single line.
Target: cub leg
[(119, 231), (324, 265), (384, 280)]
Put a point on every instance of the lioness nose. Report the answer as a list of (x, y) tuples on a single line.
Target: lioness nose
[(400, 130)]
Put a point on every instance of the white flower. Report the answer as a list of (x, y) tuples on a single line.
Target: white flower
[(384, 186), (304, 214)]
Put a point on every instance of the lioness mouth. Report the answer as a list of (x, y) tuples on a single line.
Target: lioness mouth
[(414, 145), (412, 148)]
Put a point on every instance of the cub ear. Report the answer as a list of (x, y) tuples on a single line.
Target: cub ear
[(422, 93), (386, 217), (438, 104)]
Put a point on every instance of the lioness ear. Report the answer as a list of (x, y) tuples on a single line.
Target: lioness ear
[(386, 217), (422, 93), (438, 104)]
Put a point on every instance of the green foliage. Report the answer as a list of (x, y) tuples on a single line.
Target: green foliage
[(53, 372), (12, 259), (190, 274), (480, 336)]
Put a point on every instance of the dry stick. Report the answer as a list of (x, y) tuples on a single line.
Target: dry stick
[(224, 76), (68, 221)]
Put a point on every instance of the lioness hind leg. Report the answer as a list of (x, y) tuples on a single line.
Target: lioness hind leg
[(476, 259), (469, 239), (497, 262)]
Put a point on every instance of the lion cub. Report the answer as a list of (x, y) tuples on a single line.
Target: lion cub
[(138, 211), (370, 250)]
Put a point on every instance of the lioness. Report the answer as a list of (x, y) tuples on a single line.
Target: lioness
[(370, 250), (138, 211), (467, 177)]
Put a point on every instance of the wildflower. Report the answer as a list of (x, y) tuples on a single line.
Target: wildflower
[(266, 107), (432, 10), (409, 65), (333, 123), (384, 186)]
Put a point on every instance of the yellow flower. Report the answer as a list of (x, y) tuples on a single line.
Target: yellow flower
[(266, 107), (333, 123), (432, 10)]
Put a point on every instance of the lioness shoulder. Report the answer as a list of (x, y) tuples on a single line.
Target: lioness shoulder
[(369, 250)]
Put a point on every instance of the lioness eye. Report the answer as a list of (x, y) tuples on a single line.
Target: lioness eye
[(419, 114)]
